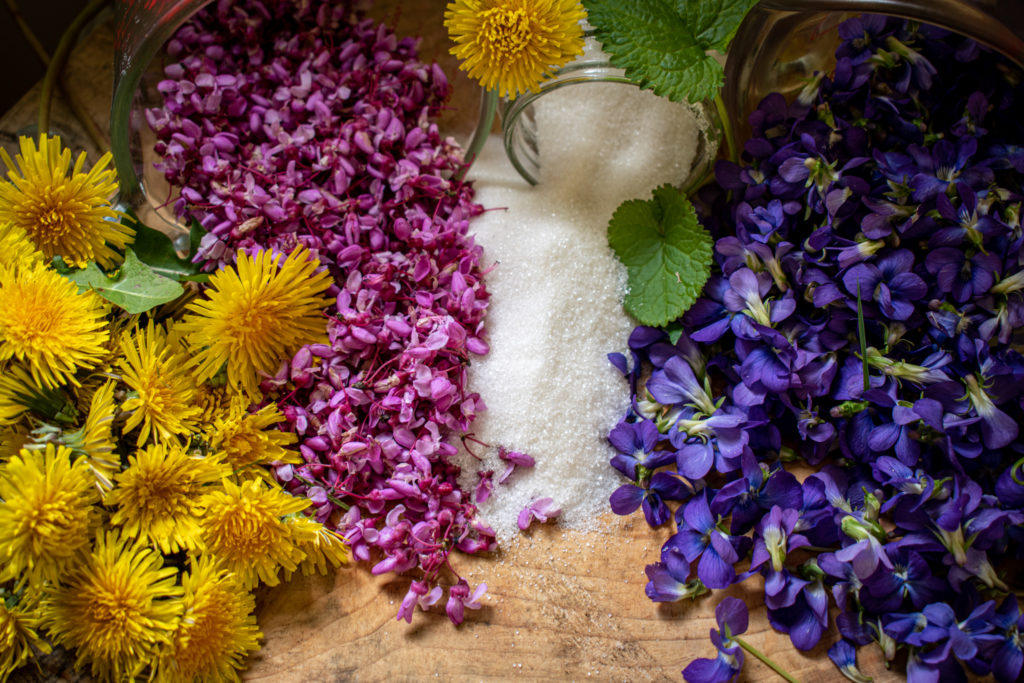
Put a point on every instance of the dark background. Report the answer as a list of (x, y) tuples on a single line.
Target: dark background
[(19, 65)]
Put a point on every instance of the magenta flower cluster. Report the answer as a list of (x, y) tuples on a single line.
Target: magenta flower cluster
[(288, 123)]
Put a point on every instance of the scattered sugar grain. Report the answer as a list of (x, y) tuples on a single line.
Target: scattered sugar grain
[(556, 294)]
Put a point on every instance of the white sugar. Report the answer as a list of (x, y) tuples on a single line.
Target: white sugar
[(556, 293)]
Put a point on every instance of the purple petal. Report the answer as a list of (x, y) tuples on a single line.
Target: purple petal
[(695, 459), (624, 501), (732, 612), (714, 571), (697, 515)]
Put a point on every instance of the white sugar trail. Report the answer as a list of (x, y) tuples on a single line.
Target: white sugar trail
[(556, 294)]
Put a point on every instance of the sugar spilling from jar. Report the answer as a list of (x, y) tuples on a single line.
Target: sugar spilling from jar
[(556, 293)]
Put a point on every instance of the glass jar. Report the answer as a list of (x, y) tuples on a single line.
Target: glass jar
[(143, 28), (782, 43), (519, 123)]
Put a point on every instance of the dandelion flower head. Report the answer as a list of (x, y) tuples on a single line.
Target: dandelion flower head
[(512, 45), (18, 636), (324, 548), (16, 249), (217, 631), (95, 440), (65, 211), (47, 516), (157, 495), (162, 390), (19, 393), (243, 526), (256, 314), (48, 324), (119, 608), (246, 439)]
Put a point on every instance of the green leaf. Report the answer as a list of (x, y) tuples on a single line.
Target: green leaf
[(663, 44), (156, 250), (136, 287), (666, 252)]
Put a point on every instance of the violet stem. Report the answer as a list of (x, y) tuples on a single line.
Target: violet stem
[(60, 59), (765, 659), (862, 335)]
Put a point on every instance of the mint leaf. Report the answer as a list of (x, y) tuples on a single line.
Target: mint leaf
[(663, 45), (667, 255), (136, 287)]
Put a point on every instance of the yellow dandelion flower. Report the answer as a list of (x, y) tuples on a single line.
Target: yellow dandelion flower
[(118, 609), (95, 441), (212, 402), (512, 45), (16, 249), (18, 635), (256, 314), (322, 546), (162, 390), (245, 439), (45, 322), (46, 514), (65, 211), (218, 629), (157, 495), (12, 439), (242, 525)]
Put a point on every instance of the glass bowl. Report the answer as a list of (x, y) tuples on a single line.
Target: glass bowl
[(143, 28), (782, 43)]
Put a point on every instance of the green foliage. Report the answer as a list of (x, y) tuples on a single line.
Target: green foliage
[(663, 45), (135, 287), (156, 250), (667, 254)]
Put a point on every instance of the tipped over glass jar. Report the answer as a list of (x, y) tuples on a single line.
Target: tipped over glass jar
[(781, 44)]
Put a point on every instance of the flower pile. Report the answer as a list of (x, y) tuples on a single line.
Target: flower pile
[(137, 507), (291, 124), (862, 319)]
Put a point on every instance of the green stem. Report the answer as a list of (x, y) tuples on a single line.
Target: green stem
[(862, 335), (730, 137), (337, 501), (488, 110), (77, 108), (60, 58), (765, 659)]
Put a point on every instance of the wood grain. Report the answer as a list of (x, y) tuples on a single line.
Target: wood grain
[(561, 605)]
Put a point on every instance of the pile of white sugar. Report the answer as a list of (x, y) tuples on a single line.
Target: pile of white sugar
[(556, 294)]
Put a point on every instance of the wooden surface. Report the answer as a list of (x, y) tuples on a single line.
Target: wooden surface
[(561, 605)]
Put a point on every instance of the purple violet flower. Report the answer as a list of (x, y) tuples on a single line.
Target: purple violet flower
[(891, 284), (651, 496), (731, 615)]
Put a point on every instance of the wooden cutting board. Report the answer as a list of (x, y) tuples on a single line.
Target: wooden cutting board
[(561, 605)]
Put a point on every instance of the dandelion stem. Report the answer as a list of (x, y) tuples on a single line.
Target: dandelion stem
[(60, 59), (765, 659)]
